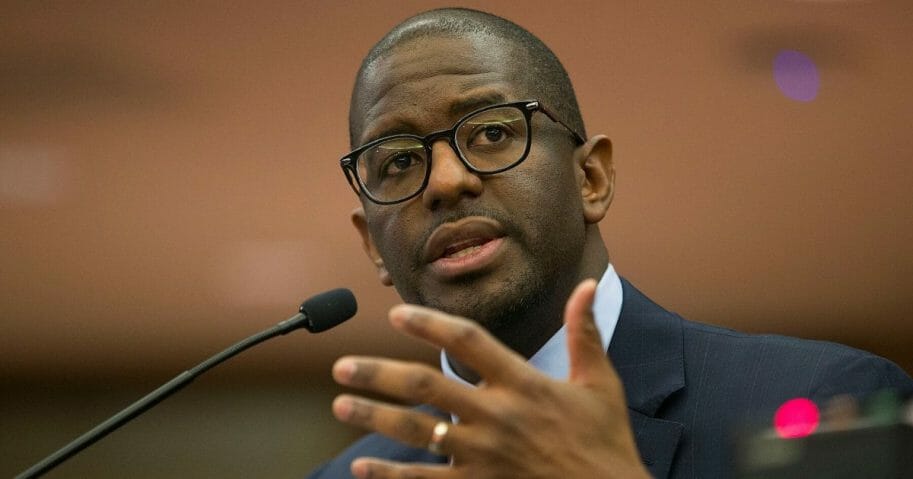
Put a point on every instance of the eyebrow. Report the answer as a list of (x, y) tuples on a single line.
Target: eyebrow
[(401, 129), (457, 108), (465, 105)]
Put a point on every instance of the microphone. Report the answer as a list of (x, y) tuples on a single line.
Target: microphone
[(323, 311), (319, 313)]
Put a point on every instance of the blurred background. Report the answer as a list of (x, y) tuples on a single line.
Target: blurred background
[(169, 184)]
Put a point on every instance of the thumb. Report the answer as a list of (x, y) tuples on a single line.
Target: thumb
[(588, 361)]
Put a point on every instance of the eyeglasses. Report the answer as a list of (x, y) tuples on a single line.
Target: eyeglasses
[(493, 139)]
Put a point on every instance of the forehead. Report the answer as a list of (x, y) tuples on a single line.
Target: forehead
[(424, 84)]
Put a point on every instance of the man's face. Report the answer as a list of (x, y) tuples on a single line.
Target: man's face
[(489, 248)]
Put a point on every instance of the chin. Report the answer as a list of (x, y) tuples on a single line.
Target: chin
[(496, 305)]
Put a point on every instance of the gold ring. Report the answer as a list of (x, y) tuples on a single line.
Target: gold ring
[(437, 437)]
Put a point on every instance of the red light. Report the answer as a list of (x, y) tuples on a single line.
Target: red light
[(796, 418)]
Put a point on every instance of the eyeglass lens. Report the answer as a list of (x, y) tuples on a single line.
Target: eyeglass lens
[(489, 141)]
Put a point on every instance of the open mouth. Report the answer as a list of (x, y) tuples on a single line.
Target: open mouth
[(464, 246)]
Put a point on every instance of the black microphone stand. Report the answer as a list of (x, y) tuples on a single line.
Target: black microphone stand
[(114, 422)]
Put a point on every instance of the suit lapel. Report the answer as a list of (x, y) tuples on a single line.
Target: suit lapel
[(647, 350)]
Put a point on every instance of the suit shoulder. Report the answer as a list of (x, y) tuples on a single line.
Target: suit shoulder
[(826, 368)]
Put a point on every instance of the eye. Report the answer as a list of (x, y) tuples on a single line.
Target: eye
[(399, 163), (493, 133), (489, 135)]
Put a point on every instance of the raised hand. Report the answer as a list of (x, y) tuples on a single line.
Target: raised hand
[(517, 423)]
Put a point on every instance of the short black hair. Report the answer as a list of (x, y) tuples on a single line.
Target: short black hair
[(542, 72)]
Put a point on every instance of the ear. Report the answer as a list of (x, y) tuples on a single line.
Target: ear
[(596, 177), (361, 224)]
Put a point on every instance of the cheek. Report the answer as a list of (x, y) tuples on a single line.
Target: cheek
[(394, 237), (397, 238), (381, 227), (548, 183), (551, 200)]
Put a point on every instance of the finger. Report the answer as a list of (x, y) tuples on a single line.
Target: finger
[(373, 468), (464, 340), (408, 426), (588, 361), (412, 382)]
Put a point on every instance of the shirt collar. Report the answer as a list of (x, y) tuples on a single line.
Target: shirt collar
[(552, 358)]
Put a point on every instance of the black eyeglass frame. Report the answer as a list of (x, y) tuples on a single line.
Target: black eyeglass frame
[(528, 107)]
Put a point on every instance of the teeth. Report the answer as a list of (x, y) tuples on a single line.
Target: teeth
[(464, 252)]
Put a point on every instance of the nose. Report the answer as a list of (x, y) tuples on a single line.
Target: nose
[(449, 180)]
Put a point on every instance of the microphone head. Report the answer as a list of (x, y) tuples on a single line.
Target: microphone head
[(328, 309)]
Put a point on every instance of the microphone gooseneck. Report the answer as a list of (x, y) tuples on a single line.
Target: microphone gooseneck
[(317, 314)]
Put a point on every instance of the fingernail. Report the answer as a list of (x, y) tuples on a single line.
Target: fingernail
[(344, 371), (400, 314), (361, 469), (342, 408)]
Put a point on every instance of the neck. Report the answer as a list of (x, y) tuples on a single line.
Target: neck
[(541, 320)]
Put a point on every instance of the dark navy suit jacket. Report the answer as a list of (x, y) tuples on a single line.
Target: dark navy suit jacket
[(689, 385)]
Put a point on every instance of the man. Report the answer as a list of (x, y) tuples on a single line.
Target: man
[(480, 198)]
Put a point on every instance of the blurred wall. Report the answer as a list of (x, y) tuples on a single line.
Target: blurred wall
[(169, 184)]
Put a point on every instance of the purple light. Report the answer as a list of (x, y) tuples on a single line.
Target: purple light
[(796, 75)]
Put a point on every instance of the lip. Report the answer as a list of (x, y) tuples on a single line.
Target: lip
[(483, 234)]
